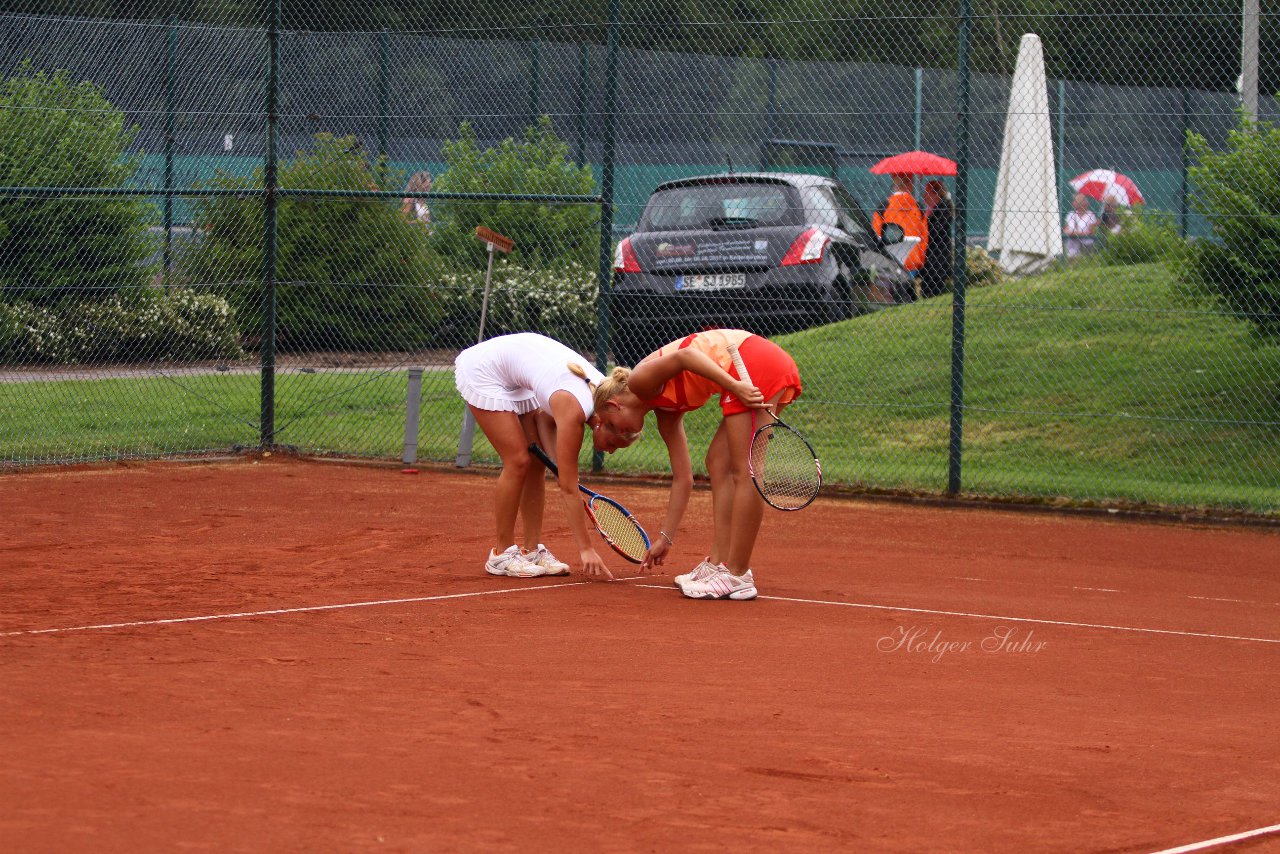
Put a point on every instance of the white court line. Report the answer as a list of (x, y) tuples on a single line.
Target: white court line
[(1110, 590), (1003, 618), (1235, 601), (276, 611), (1221, 840)]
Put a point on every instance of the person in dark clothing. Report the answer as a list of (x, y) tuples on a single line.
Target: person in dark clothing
[(939, 259)]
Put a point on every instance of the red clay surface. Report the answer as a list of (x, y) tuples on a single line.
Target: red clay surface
[(571, 716)]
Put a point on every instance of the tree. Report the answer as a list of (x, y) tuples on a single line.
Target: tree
[(352, 272), (1238, 190), (55, 132), (538, 163)]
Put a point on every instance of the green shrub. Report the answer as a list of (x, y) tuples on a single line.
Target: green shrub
[(58, 133), (545, 234), (1239, 191), (352, 273), (177, 325), (558, 301), (1145, 236)]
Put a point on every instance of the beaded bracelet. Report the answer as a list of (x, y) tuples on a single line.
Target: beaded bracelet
[(668, 536)]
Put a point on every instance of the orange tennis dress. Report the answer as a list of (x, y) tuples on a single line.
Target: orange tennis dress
[(771, 368)]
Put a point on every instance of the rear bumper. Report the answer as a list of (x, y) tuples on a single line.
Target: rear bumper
[(642, 321)]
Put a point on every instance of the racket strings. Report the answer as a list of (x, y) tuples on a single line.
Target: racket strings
[(622, 531), (786, 472)]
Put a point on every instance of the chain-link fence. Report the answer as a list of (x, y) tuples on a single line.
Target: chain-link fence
[(234, 225)]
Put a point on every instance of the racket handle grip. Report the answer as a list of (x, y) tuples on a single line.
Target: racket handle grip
[(738, 364)]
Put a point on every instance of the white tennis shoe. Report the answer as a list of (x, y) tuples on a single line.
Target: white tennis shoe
[(512, 563), (551, 565), (721, 584), (698, 573)]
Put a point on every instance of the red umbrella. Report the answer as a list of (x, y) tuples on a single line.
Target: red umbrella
[(1100, 183), (915, 163)]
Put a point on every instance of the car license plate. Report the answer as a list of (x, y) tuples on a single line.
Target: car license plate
[(711, 282)]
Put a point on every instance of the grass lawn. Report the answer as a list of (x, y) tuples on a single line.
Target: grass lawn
[(1091, 383)]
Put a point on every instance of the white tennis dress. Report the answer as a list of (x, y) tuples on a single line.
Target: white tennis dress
[(519, 373)]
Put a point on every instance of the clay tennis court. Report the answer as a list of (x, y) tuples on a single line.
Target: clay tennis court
[(283, 655)]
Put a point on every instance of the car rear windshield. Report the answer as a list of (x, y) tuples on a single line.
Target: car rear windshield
[(721, 207)]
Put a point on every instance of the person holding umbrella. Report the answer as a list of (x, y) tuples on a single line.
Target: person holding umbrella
[(901, 207)]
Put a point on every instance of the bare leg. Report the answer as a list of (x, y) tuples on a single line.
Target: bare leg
[(505, 433), (748, 506), (720, 468), (533, 495)]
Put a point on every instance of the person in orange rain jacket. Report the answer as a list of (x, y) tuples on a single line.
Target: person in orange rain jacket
[(901, 208)]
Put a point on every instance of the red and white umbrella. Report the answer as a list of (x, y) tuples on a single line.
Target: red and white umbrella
[(1100, 183)]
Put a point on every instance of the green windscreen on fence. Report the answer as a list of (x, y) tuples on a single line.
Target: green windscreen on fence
[(230, 226)]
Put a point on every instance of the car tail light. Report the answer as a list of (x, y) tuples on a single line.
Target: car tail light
[(624, 258), (807, 249)]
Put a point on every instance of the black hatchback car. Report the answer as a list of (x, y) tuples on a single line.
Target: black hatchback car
[(769, 252)]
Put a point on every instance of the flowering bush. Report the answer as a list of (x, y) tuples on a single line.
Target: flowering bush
[(559, 301), (168, 326)]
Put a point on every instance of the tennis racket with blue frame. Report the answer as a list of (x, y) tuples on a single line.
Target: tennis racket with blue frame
[(614, 522)]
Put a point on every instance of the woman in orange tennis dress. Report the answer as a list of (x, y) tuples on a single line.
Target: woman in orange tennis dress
[(681, 377)]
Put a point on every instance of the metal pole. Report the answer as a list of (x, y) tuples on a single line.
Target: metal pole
[(1249, 59), (170, 72), (413, 403), (584, 72), (956, 438), (919, 106), (384, 91), (270, 183), (1186, 164), (1063, 190), (484, 301), (535, 62), (771, 114), (607, 154)]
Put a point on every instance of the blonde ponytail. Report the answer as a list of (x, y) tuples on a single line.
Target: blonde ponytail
[(613, 385), (581, 373)]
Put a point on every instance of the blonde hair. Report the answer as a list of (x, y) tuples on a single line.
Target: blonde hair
[(581, 373), (613, 385)]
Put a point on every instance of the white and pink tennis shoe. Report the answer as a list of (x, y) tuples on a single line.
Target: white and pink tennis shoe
[(721, 584)]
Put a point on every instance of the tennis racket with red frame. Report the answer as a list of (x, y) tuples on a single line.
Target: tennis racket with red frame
[(614, 522), (782, 463)]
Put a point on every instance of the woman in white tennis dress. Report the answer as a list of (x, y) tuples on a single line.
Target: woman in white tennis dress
[(525, 388)]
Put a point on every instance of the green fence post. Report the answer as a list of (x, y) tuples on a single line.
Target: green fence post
[(584, 72), (1064, 192), (770, 113), (956, 439), (919, 106), (535, 70), (1186, 164), (170, 71), (605, 274), (269, 200), (384, 90)]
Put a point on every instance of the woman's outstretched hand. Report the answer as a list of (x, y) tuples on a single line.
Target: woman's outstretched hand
[(593, 567)]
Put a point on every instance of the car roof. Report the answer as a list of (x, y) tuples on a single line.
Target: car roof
[(795, 179)]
